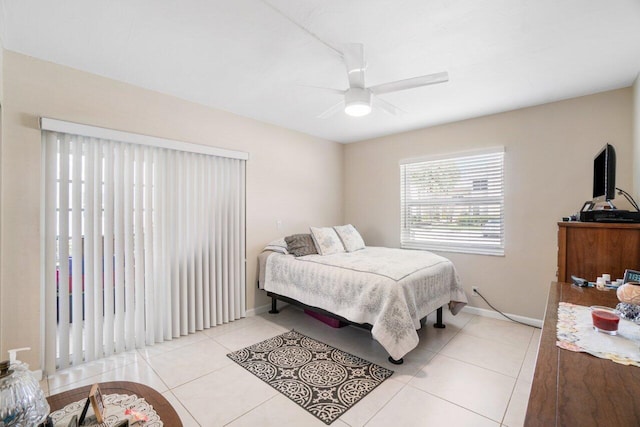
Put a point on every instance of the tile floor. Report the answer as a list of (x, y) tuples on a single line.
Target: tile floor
[(476, 372)]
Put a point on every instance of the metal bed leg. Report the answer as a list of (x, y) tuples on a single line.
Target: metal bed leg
[(439, 323), (396, 362), (274, 309)]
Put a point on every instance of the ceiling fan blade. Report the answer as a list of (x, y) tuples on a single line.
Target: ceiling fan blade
[(354, 61), (326, 89), (302, 27), (333, 110), (387, 106), (429, 79)]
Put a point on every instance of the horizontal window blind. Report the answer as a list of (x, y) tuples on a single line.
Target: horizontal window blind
[(454, 203)]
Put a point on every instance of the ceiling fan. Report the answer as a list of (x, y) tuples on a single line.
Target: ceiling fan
[(359, 99)]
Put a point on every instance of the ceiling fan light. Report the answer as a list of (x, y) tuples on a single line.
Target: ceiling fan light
[(357, 102), (357, 109)]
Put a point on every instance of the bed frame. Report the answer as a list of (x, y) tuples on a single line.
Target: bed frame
[(274, 310)]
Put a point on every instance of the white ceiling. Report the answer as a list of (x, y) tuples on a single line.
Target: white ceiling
[(244, 57)]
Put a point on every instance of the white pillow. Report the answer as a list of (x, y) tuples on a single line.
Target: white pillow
[(326, 240), (278, 245), (351, 239)]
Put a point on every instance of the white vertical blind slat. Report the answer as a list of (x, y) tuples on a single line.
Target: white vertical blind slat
[(184, 263), (99, 269), (219, 230), (109, 252), (148, 309), (174, 247), (212, 226), (119, 247), (197, 188), (204, 233), (189, 242), (88, 258), (242, 250), (50, 152), (233, 239), (165, 261), (154, 238), (226, 306), (159, 251), (63, 242), (136, 304), (76, 252), (129, 249)]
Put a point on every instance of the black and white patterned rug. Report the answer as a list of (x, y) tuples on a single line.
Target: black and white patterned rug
[(323, 380)]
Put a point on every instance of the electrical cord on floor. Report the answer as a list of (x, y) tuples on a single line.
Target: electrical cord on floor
[(513, 320)]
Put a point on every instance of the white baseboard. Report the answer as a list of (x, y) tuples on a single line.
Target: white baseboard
[(495, 315), (258, 310), (264, 308), (37, 374)]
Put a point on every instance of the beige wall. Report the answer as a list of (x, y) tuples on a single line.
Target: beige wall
[(548, 175), (2, 355), (1, 71), (636, 139), (290, 176)]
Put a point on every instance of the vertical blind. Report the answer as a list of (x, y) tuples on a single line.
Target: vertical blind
[(142, 244), (454, 203)]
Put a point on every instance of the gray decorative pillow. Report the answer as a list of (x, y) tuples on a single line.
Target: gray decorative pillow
[(351, 239), (326, 240), (300, 245)]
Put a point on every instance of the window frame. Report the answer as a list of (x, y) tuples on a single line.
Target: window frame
[(492, 204)]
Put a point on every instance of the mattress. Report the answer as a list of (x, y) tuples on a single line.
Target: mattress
[(390, 289)]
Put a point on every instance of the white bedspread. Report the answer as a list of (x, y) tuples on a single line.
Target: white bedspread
[(391, 289)]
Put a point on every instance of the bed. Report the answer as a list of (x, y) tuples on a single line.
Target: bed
[(389, 290)]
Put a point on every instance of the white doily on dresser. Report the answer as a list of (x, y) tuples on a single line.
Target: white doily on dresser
[(115, 405)]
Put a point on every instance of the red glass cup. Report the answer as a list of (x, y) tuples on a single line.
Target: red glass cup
[(605, 319)]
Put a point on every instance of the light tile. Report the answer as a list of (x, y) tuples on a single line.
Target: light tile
[(223, 395), (529, 364), (501, 331), (518, 405), (478, 389), (78, 373), (236, 325), (189, 362), (185, 416), (280, 411), (367, 407), (458, 320), (242, 399), (250, 335), (136, 372), (359, 342), (503, 358), (139, 372), (412, 364), (413, 407), (434, 339), (173, 344), (289, 317)]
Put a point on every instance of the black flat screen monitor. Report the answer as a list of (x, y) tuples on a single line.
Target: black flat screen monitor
[(604, 174)]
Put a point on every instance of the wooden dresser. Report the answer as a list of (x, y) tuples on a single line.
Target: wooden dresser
[(573, 389), (590, 249)]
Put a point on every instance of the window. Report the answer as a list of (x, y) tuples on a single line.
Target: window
[(143, 240), (454, 203)]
